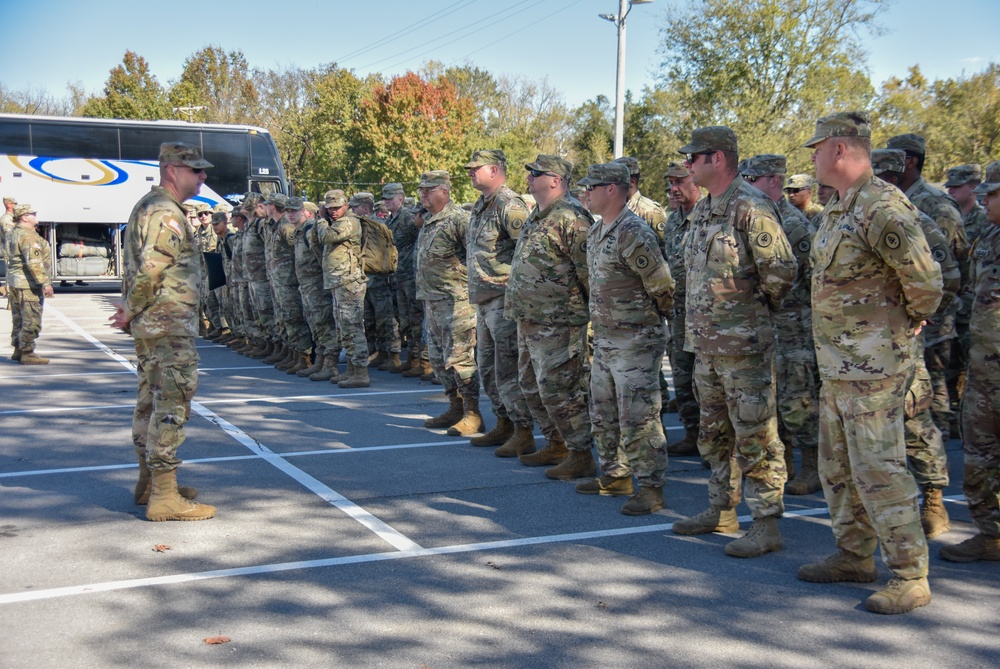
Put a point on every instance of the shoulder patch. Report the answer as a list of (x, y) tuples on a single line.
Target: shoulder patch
[(583, 246), (517, 223), (764, 239), (804, 245), (938, 254), (642, 262), (891, 240)]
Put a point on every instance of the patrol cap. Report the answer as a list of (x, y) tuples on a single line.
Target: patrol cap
[(711, 138), (239, 213), (554, 164), (963, 174), (799, 182), (631, 162), (219, 217), (577, 190), (435, 178), (485, 157), (278, 200), (9, 200), (202, 208), (310, 206), (992, 181), (677, 170), (334, 198), (606, 173), (409, 201), (179, 153), (764, 164), (251, 200), (189, 208), (294, 204), (910, 143), (888, 160), (362, 198), (220, 207), (841, 124), (23, 210), (390, 191)]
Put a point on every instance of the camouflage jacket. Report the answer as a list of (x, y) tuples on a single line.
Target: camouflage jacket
[(308, 256), (630, 283), (162, 269), (975, 224), (254, 256), (985, 278), (404, 236), (441, 270), (235, 243), (29, 259), (223, 243), (944, 210), (341, 241), (494, 226), (812, 210), (739, 268), (282, 257), (208, 241), (6, 225), (651, 212), (675, 235), (793, 321), (549, 279), (874, 282), (941, 326)]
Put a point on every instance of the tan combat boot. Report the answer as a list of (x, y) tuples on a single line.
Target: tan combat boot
[(606, 485), (933, 516), (471, 421), (165, 503), (301, 363), (328, 372), (553, 453), (145, 486), (16, 355), (391, 363), (406, 366), (452, 414), (522, 442), (291, 357), (807, 480), (278, 354), (649, 500), (579, 464), (32, 358), (686, 445), (378, 359), (264, 349), (500, 433), (418, 368), (900, 595), (313, 368), (358, 378), (712, 519), (979, 547), (841, 567), (762, 537)]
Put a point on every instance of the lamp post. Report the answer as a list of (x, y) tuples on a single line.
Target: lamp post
[(624, 7)]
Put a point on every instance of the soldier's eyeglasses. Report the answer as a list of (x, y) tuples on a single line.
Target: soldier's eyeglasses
[(204, 213), (539, 173), (593, 186), (692, 157)]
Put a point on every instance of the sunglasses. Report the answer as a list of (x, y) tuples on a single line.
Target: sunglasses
[(692, 157), (539, 173), (593, 186), (204, 213)]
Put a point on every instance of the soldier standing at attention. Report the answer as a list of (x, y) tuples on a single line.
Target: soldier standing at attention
[(255, 240), (547, 295), (631, 292), (981, 405), (29, 282), (378, 300), (798, 188), (411, 310), (739, 267), (874, 283), (223, 294), (285, 284), (494, 226), (6, 225), (317, 307), (159, 308)]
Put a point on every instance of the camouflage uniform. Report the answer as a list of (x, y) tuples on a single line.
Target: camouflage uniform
[(29, 271), (207, 242), (382, 312), (255, 240), (443, 284), (344, 277), (547, 295), (317, 305), (6, 225), (411, 310), (285, 287), (160, 294), (235, 283), (494, 226), (676, 231)]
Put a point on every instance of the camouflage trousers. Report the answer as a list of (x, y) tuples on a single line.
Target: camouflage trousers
[(958, 364), (411, 313), (625, 404), (925, 452), (862, 466), (381, 311), (212, 306), (168, 380), (981, 431), (797, 379), (288, 307), (263, 306), (248, 327), (349, 313), (317, 306), (451, 344), (496, 357), (937, 357), (26, 316), (228, 296), (682, 371), (554, 372), (739, 426)]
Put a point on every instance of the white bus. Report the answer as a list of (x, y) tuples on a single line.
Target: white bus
[(84, 175)]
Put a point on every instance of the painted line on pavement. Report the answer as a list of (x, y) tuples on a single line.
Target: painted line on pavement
[(58, 376)]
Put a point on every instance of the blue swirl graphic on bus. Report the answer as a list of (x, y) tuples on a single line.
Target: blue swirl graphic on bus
[(110, 174)]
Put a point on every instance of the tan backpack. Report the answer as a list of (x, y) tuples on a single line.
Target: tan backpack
[(378, 252)]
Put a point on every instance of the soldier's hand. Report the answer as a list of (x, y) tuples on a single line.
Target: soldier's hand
[(47, 291), (119, 320)]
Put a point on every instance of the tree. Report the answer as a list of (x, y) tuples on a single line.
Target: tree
[(219, 81), (593, 139), (131, 92)]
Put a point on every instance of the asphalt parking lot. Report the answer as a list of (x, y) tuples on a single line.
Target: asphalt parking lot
[(348, 535)]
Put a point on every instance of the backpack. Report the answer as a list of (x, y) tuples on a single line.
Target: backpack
[(378, 252)]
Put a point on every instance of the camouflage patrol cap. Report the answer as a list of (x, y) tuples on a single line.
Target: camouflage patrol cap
[(310, 206), (910, 143), (485, 157), (991, 182), (334, 198), (841, 124), (554, 164), (631, 162), (391, 190), (9, 200), (677, 170), (711, 138), (202, 208), (277, 200), (963, 174), (219, 217), (606, 173), (764, 164), (294, 204), (362, 198), (799, 182), (179, 153), (23, 210), (251, 200), (435, 178), (222, 206), (409, 201), (577, 190), (189, 208), (888, 160), (239, 213)]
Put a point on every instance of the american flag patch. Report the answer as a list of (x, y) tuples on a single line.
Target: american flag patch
[(175, 227)]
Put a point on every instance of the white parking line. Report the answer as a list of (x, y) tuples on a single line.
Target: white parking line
[(201, 370)]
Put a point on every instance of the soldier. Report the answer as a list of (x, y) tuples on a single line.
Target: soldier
[(29, 271), (220, 227), (494, 226), (379, 307), (255, 242), (547, 295), (285, 287), (874, 282), (981, 404), (236, 281), (344, 276), (685, 193), (159, 308), (317, 307), (443, 284), (206, 241), (6, 225), (961, 184), (798, 188), (411, 310), (795, 354), (631, 292), (739, 267)]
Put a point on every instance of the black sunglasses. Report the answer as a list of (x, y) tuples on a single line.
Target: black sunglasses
[(540, 173), (593, 186), (691, 157)]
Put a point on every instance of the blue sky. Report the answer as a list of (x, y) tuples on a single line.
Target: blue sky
[(51, 42)]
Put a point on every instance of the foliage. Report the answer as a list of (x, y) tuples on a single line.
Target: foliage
[(221, 83), (131, 92)]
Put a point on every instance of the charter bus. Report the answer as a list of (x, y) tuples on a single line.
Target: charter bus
[(84, 175)]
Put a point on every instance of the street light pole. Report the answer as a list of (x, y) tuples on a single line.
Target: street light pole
[(624, 6)]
